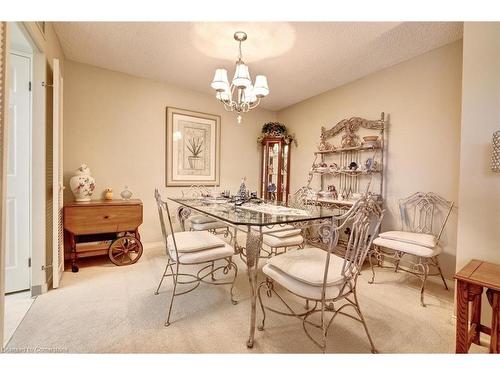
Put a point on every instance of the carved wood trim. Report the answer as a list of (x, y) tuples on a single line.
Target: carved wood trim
[(352, 125)]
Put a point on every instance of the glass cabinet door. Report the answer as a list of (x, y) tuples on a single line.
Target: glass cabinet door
[(275, 174), (284, 174), (272, 168)]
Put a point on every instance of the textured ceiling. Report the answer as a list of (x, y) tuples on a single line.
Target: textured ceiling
[(300, 59)]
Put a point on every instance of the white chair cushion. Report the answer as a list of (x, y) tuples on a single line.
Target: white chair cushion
[(298, 287), (273, 241), (286, 233), (421, 251), (201, 256), (209, 225), (308, 266), (194, 241), (422, 239), (201, 219)]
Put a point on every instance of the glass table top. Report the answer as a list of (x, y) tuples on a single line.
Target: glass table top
[(252, 213)]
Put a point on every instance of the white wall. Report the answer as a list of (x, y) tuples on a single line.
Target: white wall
[(479, 199), (115, 123), (422, 98)]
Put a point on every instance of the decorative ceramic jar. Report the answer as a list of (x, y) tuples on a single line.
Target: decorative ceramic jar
[(82, 184), (126, 194)]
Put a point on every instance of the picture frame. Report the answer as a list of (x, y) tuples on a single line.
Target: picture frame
[(192, 148)]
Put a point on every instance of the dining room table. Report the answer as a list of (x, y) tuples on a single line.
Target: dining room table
[(252, 217)]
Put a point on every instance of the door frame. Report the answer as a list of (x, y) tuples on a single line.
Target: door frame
[(38, 162), (39, 91), (4, 55)]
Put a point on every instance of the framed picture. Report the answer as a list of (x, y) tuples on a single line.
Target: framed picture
[(192, 148)]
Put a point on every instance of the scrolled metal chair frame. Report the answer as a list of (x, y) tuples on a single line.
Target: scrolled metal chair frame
[(417, 214), (173, 265), (183, 213), (364, 219), (295, 200)]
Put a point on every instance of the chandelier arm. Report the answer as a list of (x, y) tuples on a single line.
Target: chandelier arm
[(228, 107), (255, 104)]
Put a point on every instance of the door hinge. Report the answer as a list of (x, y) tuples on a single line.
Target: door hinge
[(29, 262), (29, 85)]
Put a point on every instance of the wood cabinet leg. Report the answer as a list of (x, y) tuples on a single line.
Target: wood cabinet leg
[(74, 266), (475, 293), (462, 327), (494, 300)]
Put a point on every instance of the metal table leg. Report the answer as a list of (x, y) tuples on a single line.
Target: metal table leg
[(253, 246)]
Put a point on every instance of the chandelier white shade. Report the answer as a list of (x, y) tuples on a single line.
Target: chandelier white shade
[(240, 95), (220, 82)]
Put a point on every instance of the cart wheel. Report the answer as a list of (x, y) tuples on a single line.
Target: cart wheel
[(125, 250)]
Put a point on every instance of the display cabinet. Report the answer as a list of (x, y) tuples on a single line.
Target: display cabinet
[(275, 177)]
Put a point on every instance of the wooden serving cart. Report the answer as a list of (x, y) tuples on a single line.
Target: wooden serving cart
[(102, 227)]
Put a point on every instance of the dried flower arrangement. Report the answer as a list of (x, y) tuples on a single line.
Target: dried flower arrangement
[(276, 129)]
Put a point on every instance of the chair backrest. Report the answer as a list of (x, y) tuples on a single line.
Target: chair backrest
[(195, 191), (299, 198), (364, 219), (363, 222), (420, 213), (163, 208)]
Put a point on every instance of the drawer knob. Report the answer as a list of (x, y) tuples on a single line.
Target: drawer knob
[(106, 217)]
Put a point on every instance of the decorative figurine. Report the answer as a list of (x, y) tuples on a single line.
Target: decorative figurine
[(108, 195), (271, 187), (334, 167), (353, 166), (370, 164), (332, 189), (126, 194), (82, 184), (242, 192)]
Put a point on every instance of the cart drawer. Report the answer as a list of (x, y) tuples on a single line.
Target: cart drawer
[(102, 219)]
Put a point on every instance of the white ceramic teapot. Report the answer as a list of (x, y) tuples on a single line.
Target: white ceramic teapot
[(82, 184)]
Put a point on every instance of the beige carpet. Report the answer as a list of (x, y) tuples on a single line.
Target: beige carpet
[(109, 309)]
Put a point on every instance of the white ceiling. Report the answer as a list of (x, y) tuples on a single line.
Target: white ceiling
[(300, 59)]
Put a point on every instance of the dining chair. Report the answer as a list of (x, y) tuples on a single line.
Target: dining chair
[(320, 276), (189, 248), (286, 236), (282, 236), (423, 219), (200, 222)]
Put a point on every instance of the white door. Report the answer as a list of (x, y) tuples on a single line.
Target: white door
[(57, 182), (17, 275)]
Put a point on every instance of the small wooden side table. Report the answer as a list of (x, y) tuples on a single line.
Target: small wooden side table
[(109, 226), (471, 280)]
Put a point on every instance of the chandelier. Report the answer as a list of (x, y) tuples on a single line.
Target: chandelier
[(240, 96)]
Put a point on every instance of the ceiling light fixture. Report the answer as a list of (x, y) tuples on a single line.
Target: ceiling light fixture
[(240, 96)]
